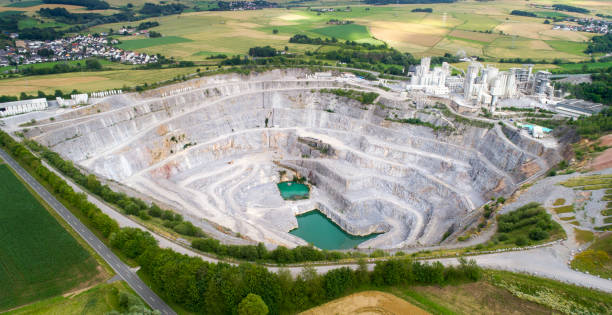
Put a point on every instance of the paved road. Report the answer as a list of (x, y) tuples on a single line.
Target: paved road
[(120, 268)]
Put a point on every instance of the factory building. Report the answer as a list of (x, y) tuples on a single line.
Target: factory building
[(20, 107), (575, 108), (430, 81)]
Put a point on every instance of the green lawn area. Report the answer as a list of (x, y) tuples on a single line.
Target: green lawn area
[(346, 32), (24, 4), (569, 47), (597, 259), (550, 14), (150, 42), (39, 258), (474, 22), (100, 299), (30, 22), (564, 209), (561, 297)]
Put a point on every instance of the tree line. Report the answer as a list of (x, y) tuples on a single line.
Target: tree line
[(220, 288), (600, 44), (523, 13)]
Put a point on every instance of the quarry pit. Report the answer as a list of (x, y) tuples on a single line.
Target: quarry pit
[(214, 149)]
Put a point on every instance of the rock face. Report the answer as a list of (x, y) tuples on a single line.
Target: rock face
[(213, 148)]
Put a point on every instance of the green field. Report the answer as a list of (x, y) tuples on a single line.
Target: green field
[(575, 48), (39, 258), (578, 66), (150, 42), (550, 14), (352, 32), (24, 4)]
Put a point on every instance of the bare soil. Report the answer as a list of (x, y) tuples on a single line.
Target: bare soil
[(368, 302)]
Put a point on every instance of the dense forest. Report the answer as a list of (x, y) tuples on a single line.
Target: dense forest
[(600, 44), (523, 13), (598, 91), (151, 9), (265, 51), (594, 126), (569, 8)]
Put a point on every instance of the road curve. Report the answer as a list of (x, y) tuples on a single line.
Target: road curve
[(118, 266)]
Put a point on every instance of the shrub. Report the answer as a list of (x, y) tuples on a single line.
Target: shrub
[(538, 234), (520, 240)]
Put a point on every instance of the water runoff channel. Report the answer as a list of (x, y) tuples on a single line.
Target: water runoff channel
[(314, 227)]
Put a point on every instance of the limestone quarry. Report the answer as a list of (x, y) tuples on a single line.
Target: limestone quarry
[(214, 149)]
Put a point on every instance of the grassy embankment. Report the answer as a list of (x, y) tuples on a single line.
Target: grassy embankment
[(597, 258), (100, 299)]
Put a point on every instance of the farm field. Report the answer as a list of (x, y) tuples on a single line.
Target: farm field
[(371, 301), (100, 299), (470, 27), (39, 258), (149, 42), (89, 81)]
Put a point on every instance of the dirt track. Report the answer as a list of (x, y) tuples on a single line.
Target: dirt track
[(368, 302)]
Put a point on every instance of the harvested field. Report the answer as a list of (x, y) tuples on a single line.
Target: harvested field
[(523, 29), (368, 302), (481, 37), (415, 34)]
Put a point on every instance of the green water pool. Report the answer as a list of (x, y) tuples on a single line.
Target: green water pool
[(315, 228), (293, 190)]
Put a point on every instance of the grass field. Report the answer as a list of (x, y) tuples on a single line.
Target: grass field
[(135, 44), (502, 292), (39, 258), (100, 299), (595, 65), (352, 32), (24, 4), (567, 46), (597, 259), (564, 209), (550, 14)]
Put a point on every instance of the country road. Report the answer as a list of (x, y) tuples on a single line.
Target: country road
[(118, 266)]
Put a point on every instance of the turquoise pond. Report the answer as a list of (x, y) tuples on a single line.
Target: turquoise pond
[(293, 190), (315, 228)]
